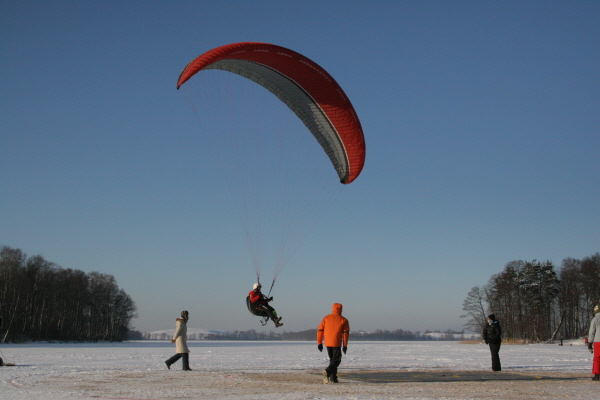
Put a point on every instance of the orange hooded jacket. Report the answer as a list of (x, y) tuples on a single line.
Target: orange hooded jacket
[(335, 328)]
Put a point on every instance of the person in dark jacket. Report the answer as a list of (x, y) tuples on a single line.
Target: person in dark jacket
[(492, 335)]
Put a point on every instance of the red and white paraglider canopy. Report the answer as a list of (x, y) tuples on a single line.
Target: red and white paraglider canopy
[(306, 88)]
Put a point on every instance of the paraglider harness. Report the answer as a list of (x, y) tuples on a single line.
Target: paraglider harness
[(256, 308)]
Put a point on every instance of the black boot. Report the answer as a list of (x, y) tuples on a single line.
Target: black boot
[(186, 362), (596, 377)]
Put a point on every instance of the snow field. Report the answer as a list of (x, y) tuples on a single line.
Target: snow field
[(239, 370)]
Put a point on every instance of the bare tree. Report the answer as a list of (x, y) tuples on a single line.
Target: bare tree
[(570, 299), (534, 304), (590, 284), (505, 299), (539, 285), (475, 306), (40, 300)]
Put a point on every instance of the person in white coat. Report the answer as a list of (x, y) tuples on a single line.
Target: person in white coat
[(594, 343), (180, 340)]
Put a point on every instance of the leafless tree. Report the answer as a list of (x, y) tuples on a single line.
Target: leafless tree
[(42, 301), (475, 308), (535, 303)]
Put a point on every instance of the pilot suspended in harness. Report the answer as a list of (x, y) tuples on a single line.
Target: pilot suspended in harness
[(258, 304)]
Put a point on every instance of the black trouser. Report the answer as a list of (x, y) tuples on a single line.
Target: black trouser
[(186, 360), (335, 358), (495, 349), (271, 313)]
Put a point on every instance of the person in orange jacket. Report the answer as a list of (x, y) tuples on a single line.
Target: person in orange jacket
[(336, 330)]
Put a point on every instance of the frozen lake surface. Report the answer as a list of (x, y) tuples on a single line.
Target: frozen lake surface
[(224, 369)]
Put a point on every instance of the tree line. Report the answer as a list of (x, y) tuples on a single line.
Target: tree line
[(311, 335), (39, 300), (535, 302)]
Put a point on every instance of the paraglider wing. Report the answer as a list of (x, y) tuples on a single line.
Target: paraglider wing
[(306, 88)]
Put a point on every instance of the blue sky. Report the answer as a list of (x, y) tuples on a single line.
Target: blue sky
[(482, 124)]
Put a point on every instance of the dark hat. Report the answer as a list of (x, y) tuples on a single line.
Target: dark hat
[(492, 317)]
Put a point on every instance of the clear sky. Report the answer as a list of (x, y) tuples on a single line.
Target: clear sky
[(482, 124)]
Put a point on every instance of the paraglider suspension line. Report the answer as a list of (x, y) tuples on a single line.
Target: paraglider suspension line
[(271, 288)]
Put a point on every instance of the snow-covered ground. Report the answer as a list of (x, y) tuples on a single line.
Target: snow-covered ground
[(136, 370)]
